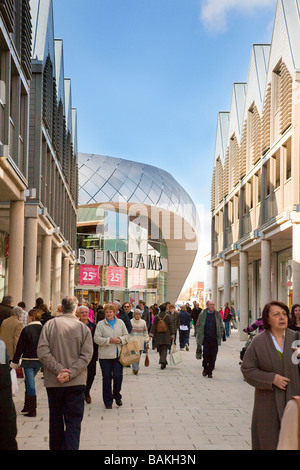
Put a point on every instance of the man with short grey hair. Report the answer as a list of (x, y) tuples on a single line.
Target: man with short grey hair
[(65, 348)]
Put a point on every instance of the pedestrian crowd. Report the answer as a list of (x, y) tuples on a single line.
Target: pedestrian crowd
[(67, 344)]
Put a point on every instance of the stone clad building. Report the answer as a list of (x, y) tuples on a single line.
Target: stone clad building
[(38, 149), (256, 187)]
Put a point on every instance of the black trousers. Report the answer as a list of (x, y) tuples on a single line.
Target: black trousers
[(210, 352), (66, 406)]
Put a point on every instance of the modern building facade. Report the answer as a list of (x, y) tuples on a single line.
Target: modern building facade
[(256, 187), (15, 76), (137, 232), (39, 154)]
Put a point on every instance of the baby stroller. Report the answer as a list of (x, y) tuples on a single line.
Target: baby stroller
[(244, 349)]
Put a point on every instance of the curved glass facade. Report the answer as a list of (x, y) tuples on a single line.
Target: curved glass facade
[(122, 253), (131, 264), (107, 179)]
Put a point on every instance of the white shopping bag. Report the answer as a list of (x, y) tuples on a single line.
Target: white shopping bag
[(14, 383), (175, 358)]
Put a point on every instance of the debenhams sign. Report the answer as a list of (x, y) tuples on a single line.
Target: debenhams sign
[(121, 259)]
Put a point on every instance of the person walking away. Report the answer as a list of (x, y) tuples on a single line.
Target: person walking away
[(145, 313), (10, 331), (8, 416), (163, 333), (111, 333), (24, 317), (83, 315), (227, 319), (209, 334), (184, 328), (26, 356), (65, 348), (140, 334), (6, 307), (268, 366)]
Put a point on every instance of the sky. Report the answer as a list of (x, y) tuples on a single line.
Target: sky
[(149, 78)]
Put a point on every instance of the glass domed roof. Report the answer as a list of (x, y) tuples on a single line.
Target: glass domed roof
[(106, 179)]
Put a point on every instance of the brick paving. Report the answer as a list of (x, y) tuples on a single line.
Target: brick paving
[(176, 409)]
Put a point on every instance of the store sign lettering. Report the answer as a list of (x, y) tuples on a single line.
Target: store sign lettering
[(120, 259)]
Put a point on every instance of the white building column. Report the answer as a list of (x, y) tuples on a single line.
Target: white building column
[(46, 261), (214, 284), (72, 279), (30, 261), (56, 280), (227, 283), (244, 296), (65, 277), (266, 272), (16, 256), (296, 263)]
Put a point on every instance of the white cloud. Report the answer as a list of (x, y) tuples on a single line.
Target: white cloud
[(214, 13)]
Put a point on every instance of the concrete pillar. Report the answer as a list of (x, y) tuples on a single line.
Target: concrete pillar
[(214, 284), (254, 306), (30, 261), (56, 280), (296, 263), (227, 283), (72, 279), (266, 272), (244, 296), (46, 261), (65, 277), (16, 257)]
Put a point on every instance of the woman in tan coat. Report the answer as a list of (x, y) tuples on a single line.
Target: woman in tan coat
[(268, 366)]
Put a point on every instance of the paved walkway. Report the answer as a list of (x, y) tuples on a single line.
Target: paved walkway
[(172, 409)]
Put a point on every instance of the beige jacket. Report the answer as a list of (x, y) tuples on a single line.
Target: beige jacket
[(104, 332), (10, 331), (65, 343)]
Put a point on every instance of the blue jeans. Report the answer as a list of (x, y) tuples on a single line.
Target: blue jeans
[(30, 373), (112, 378), (66, 406), (227, 328)]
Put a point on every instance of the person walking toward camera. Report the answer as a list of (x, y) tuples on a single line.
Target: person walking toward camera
[(65, 348), (139, 333), (209, 334), (110, 334)]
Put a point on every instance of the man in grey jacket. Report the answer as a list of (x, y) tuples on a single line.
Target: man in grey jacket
[(65, 348)]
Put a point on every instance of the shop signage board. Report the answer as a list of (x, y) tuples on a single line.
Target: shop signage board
[(89, 275)]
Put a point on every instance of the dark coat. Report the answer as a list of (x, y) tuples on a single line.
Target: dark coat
[(8, 418), (28, 342), (162, 338), (123, 316), (260, 365), (5, 312)]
